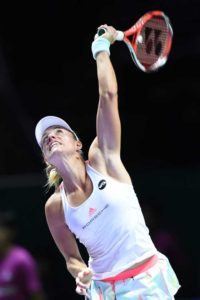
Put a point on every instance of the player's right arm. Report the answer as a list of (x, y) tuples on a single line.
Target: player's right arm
[(66, 243), (62, 236)]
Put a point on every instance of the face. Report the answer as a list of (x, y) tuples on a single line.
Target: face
[(58, 140)]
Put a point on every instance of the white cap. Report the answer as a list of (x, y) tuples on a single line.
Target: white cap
[(47, 122)]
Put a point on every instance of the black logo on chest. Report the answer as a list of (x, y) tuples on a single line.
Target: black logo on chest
[(102, 184)]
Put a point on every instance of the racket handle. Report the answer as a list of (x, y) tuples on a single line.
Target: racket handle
[(101, 31), (119, 37)]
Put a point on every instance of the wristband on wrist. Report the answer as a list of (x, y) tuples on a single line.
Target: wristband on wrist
[(100, 44)]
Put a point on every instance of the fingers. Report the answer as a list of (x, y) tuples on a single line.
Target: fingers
[(110, 32), (83, 281), (111, 29), (82, 291), (86, 272), (84, 285), (85, 275)]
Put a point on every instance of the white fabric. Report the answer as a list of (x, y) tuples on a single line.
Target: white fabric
[(111, 226), (158, 283), (47, 122)]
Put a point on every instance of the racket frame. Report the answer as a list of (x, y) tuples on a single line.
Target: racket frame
[(135, 31)]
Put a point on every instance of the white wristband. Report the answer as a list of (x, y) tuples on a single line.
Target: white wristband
[(100, 44)]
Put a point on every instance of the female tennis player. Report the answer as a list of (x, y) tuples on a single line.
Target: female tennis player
[(95, 202)]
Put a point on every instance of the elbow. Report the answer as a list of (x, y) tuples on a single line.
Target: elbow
[(108, 95)]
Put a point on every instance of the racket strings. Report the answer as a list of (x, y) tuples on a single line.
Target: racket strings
[(152, 42)]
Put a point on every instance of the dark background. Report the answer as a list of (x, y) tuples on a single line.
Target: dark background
[(46, 68)]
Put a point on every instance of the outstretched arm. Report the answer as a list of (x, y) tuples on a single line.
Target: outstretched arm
[(104, 152), (108, 121)]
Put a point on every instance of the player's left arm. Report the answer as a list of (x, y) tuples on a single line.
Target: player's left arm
[(105, 150)]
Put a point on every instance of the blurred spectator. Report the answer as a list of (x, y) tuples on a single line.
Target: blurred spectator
[(19, 275), (167, 242)]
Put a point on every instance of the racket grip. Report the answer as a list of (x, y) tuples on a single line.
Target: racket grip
[(119, 37), (101, 31)]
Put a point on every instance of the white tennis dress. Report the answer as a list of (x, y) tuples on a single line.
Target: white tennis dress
[(111, 226)]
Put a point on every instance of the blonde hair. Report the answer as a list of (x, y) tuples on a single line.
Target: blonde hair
[(53, 178)]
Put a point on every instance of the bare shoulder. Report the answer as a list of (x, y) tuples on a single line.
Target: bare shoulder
[(53, 206)]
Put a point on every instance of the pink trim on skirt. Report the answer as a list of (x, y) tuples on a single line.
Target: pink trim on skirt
[(135, 271)]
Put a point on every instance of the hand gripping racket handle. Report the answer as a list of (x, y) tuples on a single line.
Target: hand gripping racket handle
[(119, 37)]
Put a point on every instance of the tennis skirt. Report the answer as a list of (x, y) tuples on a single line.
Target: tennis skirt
[(157, 283)]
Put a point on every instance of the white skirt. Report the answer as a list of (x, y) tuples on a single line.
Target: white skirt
[(157, 283)]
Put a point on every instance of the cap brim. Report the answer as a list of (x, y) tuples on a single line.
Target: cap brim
[(47, 122)]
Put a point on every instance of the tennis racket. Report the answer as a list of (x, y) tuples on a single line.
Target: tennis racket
[(149, 40)]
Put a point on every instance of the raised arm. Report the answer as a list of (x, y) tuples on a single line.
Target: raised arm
[(104, 153), (108, 121)]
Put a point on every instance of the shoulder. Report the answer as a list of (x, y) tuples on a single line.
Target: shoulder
[(54, 202), (53, 208)]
